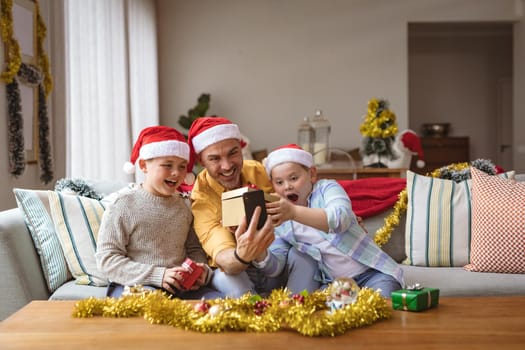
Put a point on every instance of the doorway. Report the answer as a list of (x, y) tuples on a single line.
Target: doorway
[(461, 73)]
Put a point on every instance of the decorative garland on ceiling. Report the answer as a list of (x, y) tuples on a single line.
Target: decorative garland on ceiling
[(307, 314), (456, 172), (31, 75)]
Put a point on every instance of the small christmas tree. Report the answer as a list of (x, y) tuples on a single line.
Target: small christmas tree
[(379, 129)]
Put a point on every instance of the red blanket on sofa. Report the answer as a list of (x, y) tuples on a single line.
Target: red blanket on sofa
[(373, 195), (369, 196)]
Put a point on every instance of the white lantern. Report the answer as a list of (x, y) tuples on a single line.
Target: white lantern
[(321, 144)]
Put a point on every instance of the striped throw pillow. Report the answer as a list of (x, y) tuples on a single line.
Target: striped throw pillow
[(34, 206), (77, 221), (438, 221), (498, 225)]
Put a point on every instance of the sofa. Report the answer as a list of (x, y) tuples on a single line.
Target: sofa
[(23, 279)]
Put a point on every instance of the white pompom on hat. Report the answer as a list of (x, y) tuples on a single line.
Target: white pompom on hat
[(288, 153), (158, 141), (412, 142)]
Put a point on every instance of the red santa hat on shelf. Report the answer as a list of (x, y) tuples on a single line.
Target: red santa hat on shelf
[(288, 153), (411, 141), (159, 141)]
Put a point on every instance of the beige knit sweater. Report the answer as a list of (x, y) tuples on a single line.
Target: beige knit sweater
[(141, 234)]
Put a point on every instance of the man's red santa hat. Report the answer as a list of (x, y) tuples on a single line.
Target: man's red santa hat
[(158, 141), (206, 131), (288, 153), (411, 141)]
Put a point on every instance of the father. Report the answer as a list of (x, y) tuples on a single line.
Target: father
[(216, 143)]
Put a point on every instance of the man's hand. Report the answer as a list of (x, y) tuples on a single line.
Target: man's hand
[(252, 243)]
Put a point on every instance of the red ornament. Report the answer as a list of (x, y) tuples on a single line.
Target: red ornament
[(299, 298), (201, 306)]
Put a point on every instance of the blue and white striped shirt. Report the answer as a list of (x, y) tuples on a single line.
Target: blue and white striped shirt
[(345, 234)]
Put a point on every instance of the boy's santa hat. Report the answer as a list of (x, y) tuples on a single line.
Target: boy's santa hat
[(411, 141), (158, 141), (288, 153)]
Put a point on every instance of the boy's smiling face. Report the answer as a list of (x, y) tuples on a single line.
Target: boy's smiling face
[(163, 174), (293, 181)]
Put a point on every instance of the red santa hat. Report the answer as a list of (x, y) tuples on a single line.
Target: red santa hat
[(206, 131), (158, 141), (411, 141), (288, 153)]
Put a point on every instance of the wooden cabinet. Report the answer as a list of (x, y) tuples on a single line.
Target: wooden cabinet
[(442, 151)]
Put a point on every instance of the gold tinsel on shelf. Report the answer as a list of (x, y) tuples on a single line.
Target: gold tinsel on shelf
[(310, 316), (383, 234), (379, 122)]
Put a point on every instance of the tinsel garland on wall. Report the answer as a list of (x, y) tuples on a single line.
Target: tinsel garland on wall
[(456, 172), (13, 57), (15, 127), (31, 75)]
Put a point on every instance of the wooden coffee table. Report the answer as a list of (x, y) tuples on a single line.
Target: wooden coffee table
[(493, 323)]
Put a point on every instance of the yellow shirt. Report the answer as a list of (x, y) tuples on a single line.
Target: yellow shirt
[(207, 207)]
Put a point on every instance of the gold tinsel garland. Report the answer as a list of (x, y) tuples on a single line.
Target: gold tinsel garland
[(43, 60), (383, 234), (13, 56), (382, 125), (310, 316)]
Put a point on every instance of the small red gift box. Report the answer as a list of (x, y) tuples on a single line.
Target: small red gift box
[(190, 276)]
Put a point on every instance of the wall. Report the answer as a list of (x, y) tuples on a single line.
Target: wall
[(267, 64)]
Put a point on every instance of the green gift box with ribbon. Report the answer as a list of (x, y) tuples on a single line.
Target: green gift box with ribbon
[(415, 298)]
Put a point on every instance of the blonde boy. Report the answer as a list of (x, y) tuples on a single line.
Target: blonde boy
[(146, 235), (316, 217)]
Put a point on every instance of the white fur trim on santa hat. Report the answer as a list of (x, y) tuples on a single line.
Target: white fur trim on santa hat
[(129, 168), (285, 155), (165, 149), (215, 134)]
